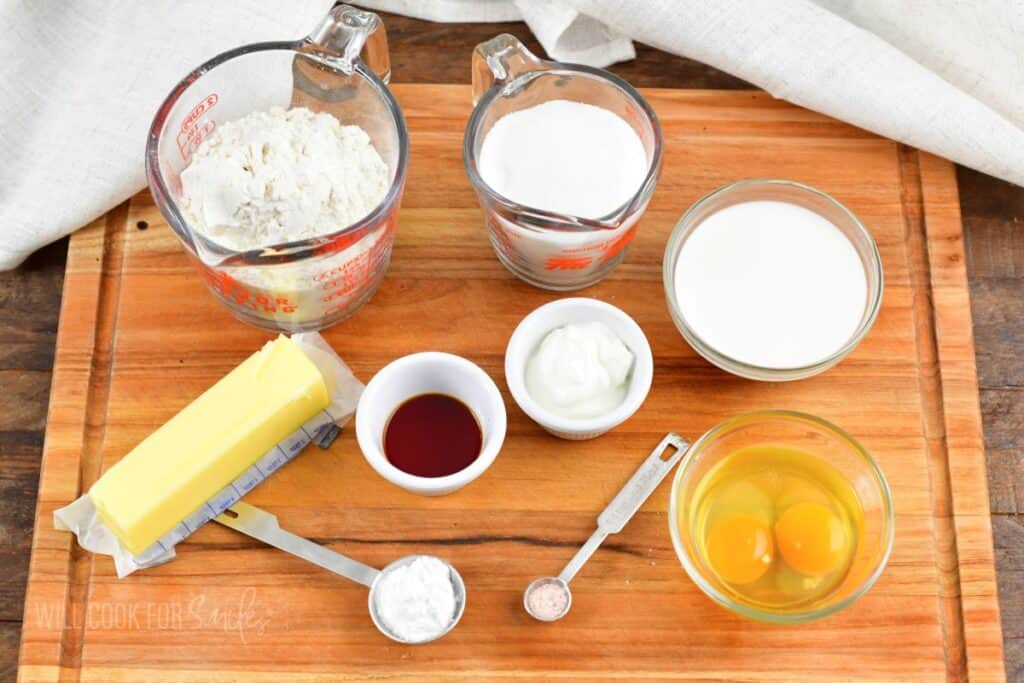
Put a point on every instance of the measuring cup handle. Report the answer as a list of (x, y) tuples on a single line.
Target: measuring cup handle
[(349, 33), (499, 60)]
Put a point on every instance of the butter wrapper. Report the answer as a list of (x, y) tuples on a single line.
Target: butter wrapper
[(83, 519)]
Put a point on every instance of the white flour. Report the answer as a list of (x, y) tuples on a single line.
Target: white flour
[(281, 175), (771, 284), (565, 157), (416, 601)]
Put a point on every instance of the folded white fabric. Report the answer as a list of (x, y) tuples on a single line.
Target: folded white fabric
[(79, 82), (566, 33), (946, 77), (79, 85)]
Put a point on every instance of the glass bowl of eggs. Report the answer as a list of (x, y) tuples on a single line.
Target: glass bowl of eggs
[(781, 516)]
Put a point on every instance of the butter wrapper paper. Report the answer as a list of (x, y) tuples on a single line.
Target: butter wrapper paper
[(82, 519)]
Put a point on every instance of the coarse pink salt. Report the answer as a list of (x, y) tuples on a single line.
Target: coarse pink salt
[(548, 601)]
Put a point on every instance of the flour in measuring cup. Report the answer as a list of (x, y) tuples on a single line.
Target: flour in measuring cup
[(279, 176), (566, 157)]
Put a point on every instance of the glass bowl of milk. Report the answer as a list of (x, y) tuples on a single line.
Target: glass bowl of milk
[(563, 158), (772, 279)]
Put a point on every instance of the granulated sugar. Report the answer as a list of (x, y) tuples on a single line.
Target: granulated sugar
[(565, 157)]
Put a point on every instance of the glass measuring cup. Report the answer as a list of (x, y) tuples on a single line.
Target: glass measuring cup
[(306, 284), (547, 249)]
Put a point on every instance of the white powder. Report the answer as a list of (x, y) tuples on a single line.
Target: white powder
[(281, 175), (771, 284), (565, 157), (416, 601)]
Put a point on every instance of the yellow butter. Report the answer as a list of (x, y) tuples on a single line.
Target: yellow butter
[(209, 444)]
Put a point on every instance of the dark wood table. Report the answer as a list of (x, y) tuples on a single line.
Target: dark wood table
[(993, 212)]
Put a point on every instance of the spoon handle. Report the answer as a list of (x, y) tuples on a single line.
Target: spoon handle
[(263, 526), (582, 555), (629, 499), (642, 484)]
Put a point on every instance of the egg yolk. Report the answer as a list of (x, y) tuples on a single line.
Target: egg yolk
[(739, 548), (811, 539)]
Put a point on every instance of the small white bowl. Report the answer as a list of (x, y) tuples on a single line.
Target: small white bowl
[(532, 330), (429, 372)]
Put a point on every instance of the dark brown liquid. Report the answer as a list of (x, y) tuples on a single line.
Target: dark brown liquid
[(432, 435)]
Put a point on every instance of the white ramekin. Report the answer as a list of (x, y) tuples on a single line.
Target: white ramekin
[(428, 373), (532, 330)]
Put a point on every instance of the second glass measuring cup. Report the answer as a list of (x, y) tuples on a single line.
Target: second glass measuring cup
[(544, 248)]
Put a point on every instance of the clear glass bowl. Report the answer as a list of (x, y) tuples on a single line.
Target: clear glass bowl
[(792, 193), (816, 437)]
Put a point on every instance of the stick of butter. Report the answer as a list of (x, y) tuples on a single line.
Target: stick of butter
[(202, 449)]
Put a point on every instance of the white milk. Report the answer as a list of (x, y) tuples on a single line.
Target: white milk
[(771, 284), (566, 157)]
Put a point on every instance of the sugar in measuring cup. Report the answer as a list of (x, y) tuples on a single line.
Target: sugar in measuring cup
[(341, 68), (554, 245)]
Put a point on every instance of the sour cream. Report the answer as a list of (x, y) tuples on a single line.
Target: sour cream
[(579, 371)]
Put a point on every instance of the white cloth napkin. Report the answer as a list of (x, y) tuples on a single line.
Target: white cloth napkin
[(943, 75), (79, 82)]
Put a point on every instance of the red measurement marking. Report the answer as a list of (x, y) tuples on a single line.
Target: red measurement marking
[(567, 262), (206, 105), (230, 288), (613, 248), (193, 129)]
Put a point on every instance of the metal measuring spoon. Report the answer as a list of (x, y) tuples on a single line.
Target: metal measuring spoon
[(549, 598), (263, 526)]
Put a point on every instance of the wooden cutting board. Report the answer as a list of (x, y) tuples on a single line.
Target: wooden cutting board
[(140, 337)]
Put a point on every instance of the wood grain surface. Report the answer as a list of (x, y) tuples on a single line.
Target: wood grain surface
[(992, 210), (140, 337)]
